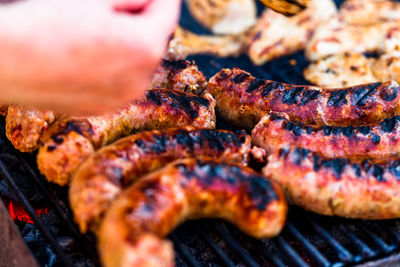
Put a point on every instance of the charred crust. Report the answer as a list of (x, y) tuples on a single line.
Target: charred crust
[(357, 169), (361, 94), (271, 86), (376, 139), (309, 95), (291, 96), (364, 129), (254, 85), (377, 172), (389, 124), (283, 152), (299, 154), (241, 77), (260, 190), (296, 129), (337, 98), (175, 65), (83, 128), (389, 93), (51, 148), (337, 165), (327, 130), (222, 75), (275, 117)]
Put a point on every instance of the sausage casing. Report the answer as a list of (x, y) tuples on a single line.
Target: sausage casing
[(242, 100), (380, 140), (70, 141), (102, 177), (368, 189), (131, 232)]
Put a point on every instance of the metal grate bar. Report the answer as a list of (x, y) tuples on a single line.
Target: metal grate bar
[(290, 252), (366, 252), (261, 247), (64, 216), (234, 245), (221, 254), (343, 253), (319, 258), (29, 209), (183, 251), (383, 246)]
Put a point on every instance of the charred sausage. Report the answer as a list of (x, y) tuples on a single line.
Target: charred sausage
[(25, 126), (374, 141), (71, 140), (369, 189), (132, 231), (101, 178), (242, 100)]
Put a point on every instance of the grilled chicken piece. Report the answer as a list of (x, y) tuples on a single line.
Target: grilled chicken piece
[(181, 75), (185, 43), (341, 71), (224, 16), (72, 139), (353, 69), (275, 35), (103, 176), (359, 27), (380, 140), (132, 231), (338, 186), (287, 7), (25, 126), (242, 100)]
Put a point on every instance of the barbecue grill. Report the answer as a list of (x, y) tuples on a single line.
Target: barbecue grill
[(43, 221)]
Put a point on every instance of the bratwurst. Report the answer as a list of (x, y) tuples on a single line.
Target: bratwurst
[(380, 140), (71, 140), (102, 177), (242, 100), (132, 230)]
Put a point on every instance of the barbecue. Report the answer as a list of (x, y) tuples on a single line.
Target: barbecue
[(42, 217)]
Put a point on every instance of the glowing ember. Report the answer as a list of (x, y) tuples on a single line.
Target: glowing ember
[(17, 212)]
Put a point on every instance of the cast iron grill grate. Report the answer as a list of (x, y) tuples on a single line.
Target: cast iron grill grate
[(307, 240)]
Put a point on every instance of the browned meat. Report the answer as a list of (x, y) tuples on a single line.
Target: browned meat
[(25, 126), (185, 43), (338, 186), (275, 35), (224, 16), (132, 231), (102, 177), (242, 100), (379, 140), (287, 7), (181, 75), (71, 140)]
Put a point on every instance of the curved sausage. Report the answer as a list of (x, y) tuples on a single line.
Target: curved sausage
[(71, 140), (25, 126), (368, 189), (101, 178), (374, 141), (132, 231), (242, 100)]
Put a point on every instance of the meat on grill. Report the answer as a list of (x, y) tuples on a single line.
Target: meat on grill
[(242, 100), (181, 75), (275, 35), (72, 139), (338, 186), (224, 16), (102, 177), (380, 140), (25, 126), (132, 231), (287, 7)]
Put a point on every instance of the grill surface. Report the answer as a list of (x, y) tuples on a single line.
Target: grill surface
[(307, 240)]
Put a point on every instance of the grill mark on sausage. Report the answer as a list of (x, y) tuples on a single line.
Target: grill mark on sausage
[(82, 128), (389, 94), (309, 95), (337, 98), (174, 65), (269, 87), (389, 124), (254, 85), (240, 77), (292, 96), (361, 95)]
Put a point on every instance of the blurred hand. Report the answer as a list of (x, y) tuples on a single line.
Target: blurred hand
[(81, 57)]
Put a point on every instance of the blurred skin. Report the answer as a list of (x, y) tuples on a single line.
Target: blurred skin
[(81, 57)]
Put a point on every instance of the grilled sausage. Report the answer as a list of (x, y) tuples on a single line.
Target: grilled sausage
[(339, 186), (374, 141), (242, 100), (25, 126), (181, 75), (101, 178), (132, 231), (71, 140), (287, 7)]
